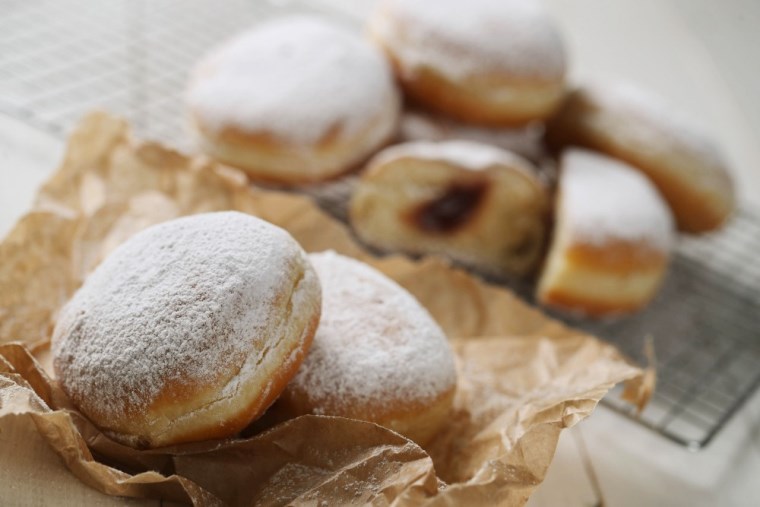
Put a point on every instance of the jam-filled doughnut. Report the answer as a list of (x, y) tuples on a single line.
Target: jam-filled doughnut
[(189, 330), (612, 240), (633, 125), (377, 355), (475, 203), (490, 62), (294, 100)]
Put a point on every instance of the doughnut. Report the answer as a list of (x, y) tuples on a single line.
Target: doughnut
[(294, 100), (639, 128), (377, 356), (489, 62), (189, 330), (477, 204), (612, 240)]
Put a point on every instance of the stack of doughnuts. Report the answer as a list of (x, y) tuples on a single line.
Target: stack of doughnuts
[(302, 100), (478, 148), (191, 329)]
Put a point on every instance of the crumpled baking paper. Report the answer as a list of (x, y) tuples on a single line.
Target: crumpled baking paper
[(522, 376)]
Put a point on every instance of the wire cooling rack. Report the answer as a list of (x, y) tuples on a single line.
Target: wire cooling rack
[(62, 58), (705, 323)]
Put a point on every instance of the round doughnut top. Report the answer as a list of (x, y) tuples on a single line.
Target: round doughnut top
[(375, 344), (656, 121), (298, 78), (605, 200), (472, 38), (185, 302), (465, 154)]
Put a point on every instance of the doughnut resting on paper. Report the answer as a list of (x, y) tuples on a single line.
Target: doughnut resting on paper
[(377, 356), (189, 330)]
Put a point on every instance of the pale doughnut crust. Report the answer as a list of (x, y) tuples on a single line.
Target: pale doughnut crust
[(189, 330), (612, 240), (294, 100), (474, 203), (488, 62), (377, 355), (637, 127)]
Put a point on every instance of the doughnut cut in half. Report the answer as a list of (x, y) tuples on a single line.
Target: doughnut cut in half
[(479, 205), (612, 240)]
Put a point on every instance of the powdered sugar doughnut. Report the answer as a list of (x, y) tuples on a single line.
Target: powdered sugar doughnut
[(294, 100), (377, 355), (189, 330), (612, 240), (638, 127), (491, 62)]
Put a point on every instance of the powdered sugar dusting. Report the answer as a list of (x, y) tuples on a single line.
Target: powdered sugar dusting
[(297, 77), (462, 39), (184, 301), (375, 342), (465, 154), (603, 200)]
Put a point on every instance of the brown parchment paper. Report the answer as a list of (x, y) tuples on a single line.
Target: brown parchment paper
[(522, 376)]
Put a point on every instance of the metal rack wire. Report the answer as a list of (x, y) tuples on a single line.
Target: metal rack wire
[(706, 328), (62, 58)]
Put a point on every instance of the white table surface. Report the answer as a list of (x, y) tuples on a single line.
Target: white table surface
[(702, 55)]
